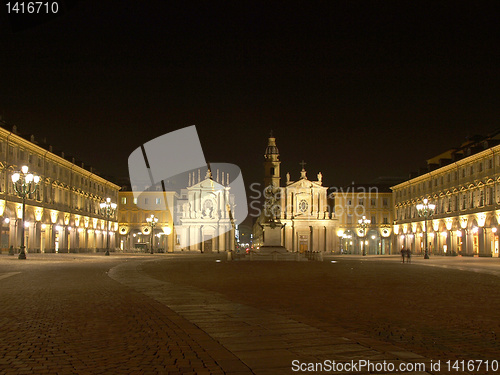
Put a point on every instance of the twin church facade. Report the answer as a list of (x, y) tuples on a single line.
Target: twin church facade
[(64, 214)]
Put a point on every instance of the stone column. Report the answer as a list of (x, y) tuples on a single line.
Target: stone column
[(222, 240), (288, 237), (469, 244), (480, 237), (488, 237)]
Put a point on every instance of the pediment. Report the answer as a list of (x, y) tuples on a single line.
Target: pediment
[(207, 184), (304, 184)]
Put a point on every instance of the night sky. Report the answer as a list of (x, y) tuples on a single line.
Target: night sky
[(358, 89)]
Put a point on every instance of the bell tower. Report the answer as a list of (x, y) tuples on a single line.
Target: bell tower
[(271, 163)]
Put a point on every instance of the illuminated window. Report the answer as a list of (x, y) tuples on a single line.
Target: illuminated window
[(124, 200), (303, 205)]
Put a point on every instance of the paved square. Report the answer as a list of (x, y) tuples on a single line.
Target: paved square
[(174, 313)]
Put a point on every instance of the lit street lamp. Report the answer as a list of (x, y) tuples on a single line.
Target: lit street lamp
[(108, 209), (426, 210), (152, 221), (25, 184), (363, 223)]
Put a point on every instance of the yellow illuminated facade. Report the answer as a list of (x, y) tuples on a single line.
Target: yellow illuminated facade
[(351, 205), (63, 215), (464, 185), (133, 229)]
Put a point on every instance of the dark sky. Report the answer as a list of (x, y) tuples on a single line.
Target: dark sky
[(358, 89)]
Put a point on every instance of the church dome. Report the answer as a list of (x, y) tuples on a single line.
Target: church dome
[(271, 148)]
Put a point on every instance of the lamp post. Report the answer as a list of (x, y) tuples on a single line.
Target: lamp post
[(24, 184), (363, 223), (426, 210), (108, 209), (152, 221)]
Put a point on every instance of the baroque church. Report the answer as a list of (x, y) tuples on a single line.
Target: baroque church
[(205, 220), (199, 216), (302, 209)]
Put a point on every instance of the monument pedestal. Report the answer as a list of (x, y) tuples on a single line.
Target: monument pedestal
[(272, 239)]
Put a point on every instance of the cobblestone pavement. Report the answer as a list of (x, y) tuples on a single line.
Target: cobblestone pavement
[(66, 316), (267, 342), (440, 312), (90, 314)]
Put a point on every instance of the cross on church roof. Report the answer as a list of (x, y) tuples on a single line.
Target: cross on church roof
[(303, 164)]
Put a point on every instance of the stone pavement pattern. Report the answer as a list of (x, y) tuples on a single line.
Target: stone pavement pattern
[(66, 316), (71, 318), (439, 313), (266, 342)]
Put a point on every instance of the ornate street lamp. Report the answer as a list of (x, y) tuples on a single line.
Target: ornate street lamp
[(108, 209), (363, 223), (426, 210), (152, 221), (25, 184)]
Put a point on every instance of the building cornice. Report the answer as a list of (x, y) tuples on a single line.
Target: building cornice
[(450, 167), (17, 139)]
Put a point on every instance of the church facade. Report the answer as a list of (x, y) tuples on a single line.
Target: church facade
[(302, 209), (197, 217), (205, 220)]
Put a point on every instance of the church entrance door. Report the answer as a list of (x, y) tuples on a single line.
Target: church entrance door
[(303, 243), (207, 244)]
